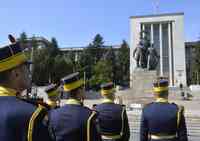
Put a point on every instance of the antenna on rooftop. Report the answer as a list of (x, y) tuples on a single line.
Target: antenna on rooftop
[(156, 4)]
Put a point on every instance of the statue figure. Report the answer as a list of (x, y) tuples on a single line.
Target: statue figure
[(137, 54), (140, 53), (145, 54), (153, 58)]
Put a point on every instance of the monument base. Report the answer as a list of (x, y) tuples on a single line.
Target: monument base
[(141, 90)]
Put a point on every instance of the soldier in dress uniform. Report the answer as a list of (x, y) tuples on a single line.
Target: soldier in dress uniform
[(112, 118), (161, 120), (73, 121), (20, 120), (53, 93)]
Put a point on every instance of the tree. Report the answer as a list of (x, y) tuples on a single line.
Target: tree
[(110, 55), (103, 73), (53, 48), (61, 68), (40, 70), (94, 48), (50, 65), (23, 41), (91, 55), (47, 63), (123, 64), (98, 41)]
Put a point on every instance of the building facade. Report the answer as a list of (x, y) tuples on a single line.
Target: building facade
[(166, 32)]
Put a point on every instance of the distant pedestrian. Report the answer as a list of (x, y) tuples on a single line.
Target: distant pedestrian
[(182, 91)]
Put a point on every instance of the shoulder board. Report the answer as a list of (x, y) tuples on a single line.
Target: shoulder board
[(174, 103), (36, 103), (123, 105), (31, 101), (181, 107), (94, 111), (45, 105), (94, 105), (147, 104)]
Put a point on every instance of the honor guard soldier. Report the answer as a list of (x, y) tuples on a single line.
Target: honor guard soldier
[(112, 117), (161, 120), (52, 92), (73, 121), (20, 120)]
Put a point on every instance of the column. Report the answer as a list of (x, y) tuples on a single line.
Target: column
[(143, 29), (152, 38), (170, 54), (161, 49)]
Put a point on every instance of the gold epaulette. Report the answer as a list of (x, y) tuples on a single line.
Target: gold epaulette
[(179, 113), (92, 115), (38, 114)]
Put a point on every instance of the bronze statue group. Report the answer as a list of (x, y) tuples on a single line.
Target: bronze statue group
[(25, 120), (145, 53)]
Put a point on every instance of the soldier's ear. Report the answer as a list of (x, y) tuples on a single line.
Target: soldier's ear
[(14, 74)]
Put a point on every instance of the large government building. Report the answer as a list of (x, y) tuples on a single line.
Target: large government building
[(166, 32)]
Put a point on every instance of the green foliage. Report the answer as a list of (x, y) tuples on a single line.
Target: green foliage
[(53, 48), (94, 48), (103, 72), (50, 65), (110, 56), (34, 42), (100, 63), (91, 55), (123, 64), (61, 68)]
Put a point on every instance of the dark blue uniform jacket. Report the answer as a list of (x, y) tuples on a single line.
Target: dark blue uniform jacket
[(113, 120), (19, 120), (163, 119), (73, 122)]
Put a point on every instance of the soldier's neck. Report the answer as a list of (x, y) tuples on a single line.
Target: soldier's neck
[(11, 86), (161, 99)]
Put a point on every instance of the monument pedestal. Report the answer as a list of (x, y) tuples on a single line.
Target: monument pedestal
[(141, 90)]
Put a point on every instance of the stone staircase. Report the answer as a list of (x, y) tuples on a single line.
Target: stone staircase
[(193, 125)]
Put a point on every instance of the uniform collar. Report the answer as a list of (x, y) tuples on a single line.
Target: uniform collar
[(106, 100), (7, 91), (162, 100), (73, 102), (51, 103)]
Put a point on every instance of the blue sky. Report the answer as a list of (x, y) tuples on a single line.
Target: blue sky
[(76, 22)]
